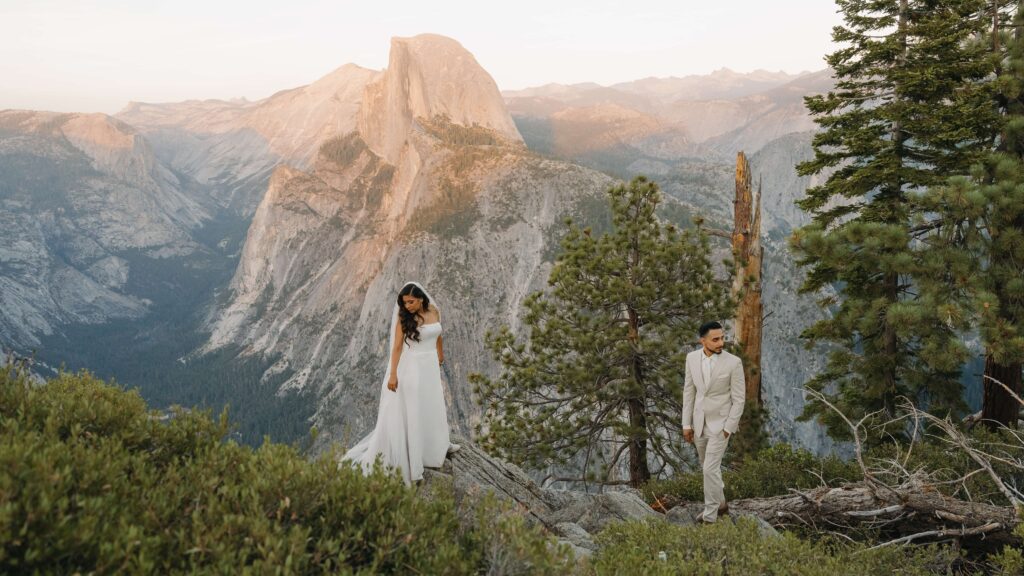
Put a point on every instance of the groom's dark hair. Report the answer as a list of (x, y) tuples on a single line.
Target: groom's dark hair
[(709, 326)]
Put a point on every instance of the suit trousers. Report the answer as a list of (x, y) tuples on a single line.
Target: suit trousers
[(711, 448)]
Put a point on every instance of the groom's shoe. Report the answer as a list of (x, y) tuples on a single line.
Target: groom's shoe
[(700, 520), (453, 448)]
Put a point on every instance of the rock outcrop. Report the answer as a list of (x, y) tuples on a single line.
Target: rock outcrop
[(429, 76), (574, 517), (435, 185)]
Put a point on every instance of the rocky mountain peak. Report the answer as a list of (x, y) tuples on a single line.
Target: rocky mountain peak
[(99, 130), (115, 147), (430, 76)]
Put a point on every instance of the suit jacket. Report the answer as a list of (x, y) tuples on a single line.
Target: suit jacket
[(718, 402)]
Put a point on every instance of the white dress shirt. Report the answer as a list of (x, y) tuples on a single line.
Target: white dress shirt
[(706, 364)]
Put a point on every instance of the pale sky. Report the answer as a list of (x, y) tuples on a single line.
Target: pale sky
[(96, 56)]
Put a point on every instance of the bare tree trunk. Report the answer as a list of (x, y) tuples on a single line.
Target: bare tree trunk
[(748, 252), (639, 471), (999, 407)]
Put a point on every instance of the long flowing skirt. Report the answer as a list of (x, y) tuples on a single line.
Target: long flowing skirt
[(412, 423)]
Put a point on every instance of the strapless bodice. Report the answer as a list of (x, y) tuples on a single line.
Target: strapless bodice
[(428, 339)]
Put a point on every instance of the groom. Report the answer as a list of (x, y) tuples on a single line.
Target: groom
[(713, 396)]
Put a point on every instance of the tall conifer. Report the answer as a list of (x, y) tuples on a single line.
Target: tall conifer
[(975, 270), (906, 113), (596, 374)]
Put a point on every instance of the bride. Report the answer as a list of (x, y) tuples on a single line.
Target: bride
[(412, 422)]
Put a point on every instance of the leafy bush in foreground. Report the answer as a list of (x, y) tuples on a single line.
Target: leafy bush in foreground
[(92, 481)]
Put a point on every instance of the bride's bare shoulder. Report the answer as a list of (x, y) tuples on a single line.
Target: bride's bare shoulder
[(434, 310)]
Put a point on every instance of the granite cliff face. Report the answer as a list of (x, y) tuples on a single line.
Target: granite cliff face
[(428, 77), (81, 195), (434, 185)]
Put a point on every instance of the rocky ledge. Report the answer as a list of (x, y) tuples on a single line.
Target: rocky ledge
[(574, 517)]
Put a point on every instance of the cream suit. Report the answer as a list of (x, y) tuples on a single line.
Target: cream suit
[(709, 408)]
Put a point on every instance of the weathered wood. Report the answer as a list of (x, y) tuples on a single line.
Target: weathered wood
[(748, 252), (908, 511)]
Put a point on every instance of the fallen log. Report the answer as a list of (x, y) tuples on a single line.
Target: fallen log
[(902, 515)]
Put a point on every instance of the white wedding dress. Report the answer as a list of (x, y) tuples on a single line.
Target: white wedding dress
[(412, 423)]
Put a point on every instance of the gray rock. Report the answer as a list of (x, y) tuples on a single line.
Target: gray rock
[(684, 514), (765, 529), (474, 471), (593, 512), (574, 534), (571, 516), (578, 552)]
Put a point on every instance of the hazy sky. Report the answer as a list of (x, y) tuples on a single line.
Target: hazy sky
[(96, 56)]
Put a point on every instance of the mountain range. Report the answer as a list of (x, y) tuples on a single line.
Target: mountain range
[(248, 252)]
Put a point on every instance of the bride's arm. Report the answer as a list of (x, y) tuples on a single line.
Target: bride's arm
[(396, 355), (440, 344)]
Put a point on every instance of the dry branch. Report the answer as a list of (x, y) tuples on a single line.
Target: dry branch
[(916, 512)]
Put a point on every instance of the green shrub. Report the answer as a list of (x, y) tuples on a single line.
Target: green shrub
[(343, 150), (726, 548), (92, 481), (770, 472), (444, 129), (1010, 561)]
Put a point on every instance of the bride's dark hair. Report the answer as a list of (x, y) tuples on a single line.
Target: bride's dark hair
[(411, 328)]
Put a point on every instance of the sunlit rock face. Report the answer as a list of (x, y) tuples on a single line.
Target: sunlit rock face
[(433, 185), (430, 76)]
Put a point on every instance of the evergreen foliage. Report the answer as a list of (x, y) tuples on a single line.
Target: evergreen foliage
[(444, 129), (91, 481), (908, 110), (600, 372), (343, 150), (975, 265)]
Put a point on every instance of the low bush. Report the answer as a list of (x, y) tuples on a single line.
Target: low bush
[(93, 481), (659, 548), (771, 471)]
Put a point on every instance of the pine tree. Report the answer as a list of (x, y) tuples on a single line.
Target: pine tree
[(601, 370), (908, 110), (977, 265)]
